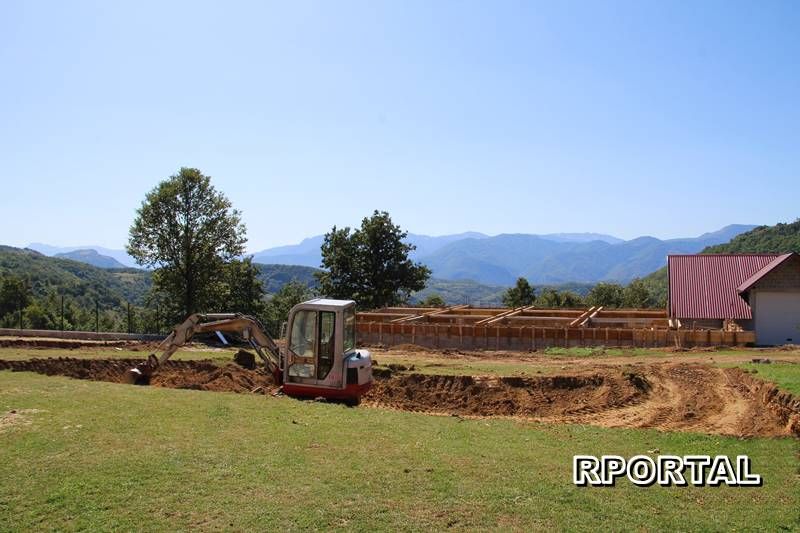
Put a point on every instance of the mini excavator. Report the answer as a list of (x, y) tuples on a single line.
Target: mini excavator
[(320, 358)]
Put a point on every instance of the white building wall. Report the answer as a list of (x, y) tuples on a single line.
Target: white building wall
[(777, 316)]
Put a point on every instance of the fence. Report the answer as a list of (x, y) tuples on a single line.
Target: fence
[(135, 319)]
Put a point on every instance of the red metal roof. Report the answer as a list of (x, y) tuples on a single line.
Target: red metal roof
[(704, 286), (752, 280)]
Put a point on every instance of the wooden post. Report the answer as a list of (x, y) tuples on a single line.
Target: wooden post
[(533, 337)]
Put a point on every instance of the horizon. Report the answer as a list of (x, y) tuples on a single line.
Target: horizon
[(95, 246), (512, 118)]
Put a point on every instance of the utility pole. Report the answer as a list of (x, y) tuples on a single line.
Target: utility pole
[(62, 312), (129, 317)]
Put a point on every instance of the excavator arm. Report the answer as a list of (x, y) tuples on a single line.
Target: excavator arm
[(246, 326)]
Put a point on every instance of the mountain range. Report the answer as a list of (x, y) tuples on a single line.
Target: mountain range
[(543, 259), (494, 260)]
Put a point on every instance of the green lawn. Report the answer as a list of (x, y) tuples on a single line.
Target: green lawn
[(102, 456), (785, 375)]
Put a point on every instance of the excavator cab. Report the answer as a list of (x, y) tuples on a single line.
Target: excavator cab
[(321, 358)]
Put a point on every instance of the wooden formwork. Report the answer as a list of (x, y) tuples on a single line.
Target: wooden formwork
[(529, 328)]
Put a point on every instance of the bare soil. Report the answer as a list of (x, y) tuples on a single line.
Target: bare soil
[(673, 396), (198, 375)]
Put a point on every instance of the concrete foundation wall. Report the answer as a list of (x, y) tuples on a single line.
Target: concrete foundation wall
[(531, 338)]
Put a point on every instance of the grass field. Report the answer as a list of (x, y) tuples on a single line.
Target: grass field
[(785, 375), (102, 456)]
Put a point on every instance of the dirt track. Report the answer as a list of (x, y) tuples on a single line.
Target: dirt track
[(666, 396)]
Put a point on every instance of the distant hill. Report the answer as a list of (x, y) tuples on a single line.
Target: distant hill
[(85, 283), (551, 259), (81, 282), (307, 253), (91, 257), (502, 259), (780, 238), (119, 255), (456, 292), (276, 276)]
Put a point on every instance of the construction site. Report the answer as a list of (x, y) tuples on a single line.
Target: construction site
[(531, 328), (677, 390)]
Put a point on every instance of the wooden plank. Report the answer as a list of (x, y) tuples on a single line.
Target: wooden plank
[(581, 318), (496, 318), (411, 318)]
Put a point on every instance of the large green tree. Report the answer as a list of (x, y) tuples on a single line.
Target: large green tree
[(606, 294), (370, 264), (244, 292), (519, 295), (188, 231), (637, 294)]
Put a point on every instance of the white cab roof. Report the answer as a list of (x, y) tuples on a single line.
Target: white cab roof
[(328, 303)]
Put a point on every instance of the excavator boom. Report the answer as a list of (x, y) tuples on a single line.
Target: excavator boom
[(246, 326)]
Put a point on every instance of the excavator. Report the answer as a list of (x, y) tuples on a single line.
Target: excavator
[(320, 358)]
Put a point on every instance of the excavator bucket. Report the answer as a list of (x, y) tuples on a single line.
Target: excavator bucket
[(140, 374)]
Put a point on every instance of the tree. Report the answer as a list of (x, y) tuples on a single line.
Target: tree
[(278, 307), (520, 295), (370, 265), (636, 294), (606, 294), (187, 231), (434, 300), (244, 290), (554, 298), (14, 295)]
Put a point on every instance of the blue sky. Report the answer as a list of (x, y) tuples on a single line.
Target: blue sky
[(629, 118)]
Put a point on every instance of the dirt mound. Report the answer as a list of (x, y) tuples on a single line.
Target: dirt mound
[(675, 397), (198, 375), (66, 344), (507, 396)]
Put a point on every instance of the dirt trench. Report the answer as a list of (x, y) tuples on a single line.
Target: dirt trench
[(196, 375), (666, 396)]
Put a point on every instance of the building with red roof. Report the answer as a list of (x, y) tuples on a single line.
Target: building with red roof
[(759, 292)]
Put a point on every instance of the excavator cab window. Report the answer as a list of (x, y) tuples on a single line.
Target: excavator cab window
[(327, 343), (349, 329), (303, 337)]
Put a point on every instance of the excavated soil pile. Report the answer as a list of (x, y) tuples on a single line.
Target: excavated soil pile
[(198, 375), (508, 396)]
